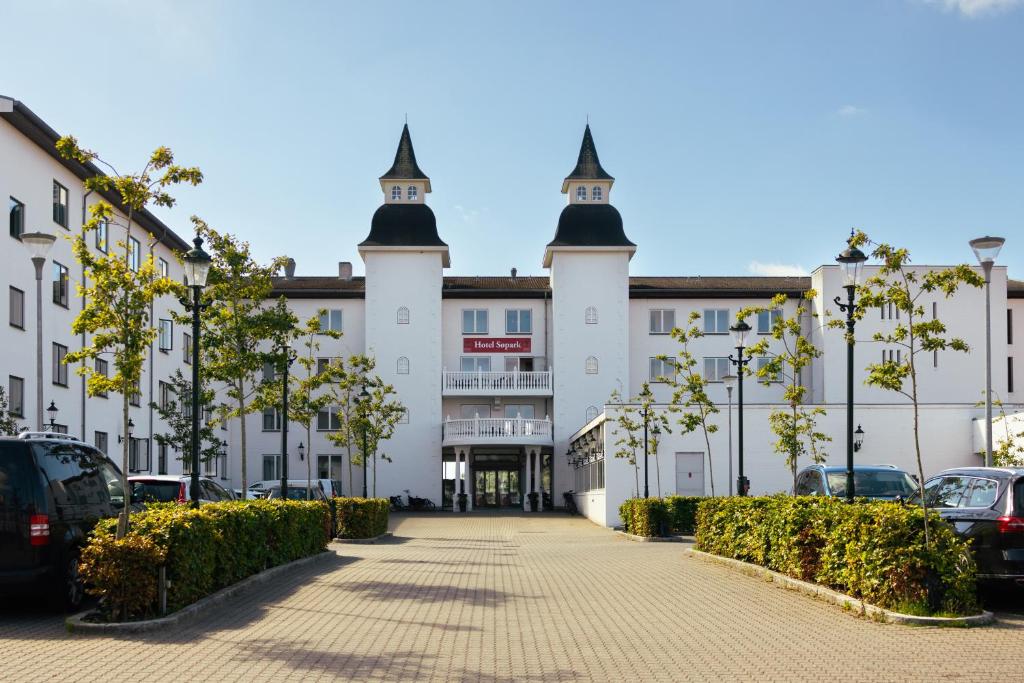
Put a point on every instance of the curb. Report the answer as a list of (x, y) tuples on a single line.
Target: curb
[(858, 607), (654, 539), (365, 541), (77, 624)]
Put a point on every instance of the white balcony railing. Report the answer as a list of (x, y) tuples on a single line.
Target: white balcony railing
[(513, 382), (509, 430)]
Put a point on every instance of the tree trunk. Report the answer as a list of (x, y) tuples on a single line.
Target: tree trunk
[(241, 413), (309, 463), (711, 471), (122, 522), (796, 450), (657, 470)]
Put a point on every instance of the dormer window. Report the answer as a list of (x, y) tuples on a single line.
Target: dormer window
[(396, 193), (595, 193), (581, 194), (413, 193)]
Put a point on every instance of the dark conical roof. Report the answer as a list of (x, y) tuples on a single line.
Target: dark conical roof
[(405, 167), (588, 166), (590, 225), (403, 225)]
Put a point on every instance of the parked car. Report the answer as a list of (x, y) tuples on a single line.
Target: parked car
[(297, 492), (53, 490), (985, 505), (330, 487), (882, 482), (173, 488)]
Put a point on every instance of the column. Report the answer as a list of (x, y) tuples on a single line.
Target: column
[(540, 481), (468, 474), (525, 484)]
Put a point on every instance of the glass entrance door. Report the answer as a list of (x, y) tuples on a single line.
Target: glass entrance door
[(497, 488)]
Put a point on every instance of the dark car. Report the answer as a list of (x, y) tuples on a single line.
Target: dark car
[(881, 482), (985, 505), (52, 493)]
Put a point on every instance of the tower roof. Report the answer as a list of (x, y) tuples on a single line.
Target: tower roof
[(405, 166), (588, 166)]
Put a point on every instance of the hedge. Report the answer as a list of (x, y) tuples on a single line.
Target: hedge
[(650, 516), (361, 517), (203, 550), (873, 550)]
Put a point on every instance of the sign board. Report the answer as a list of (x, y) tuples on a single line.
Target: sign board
[(496, 345)]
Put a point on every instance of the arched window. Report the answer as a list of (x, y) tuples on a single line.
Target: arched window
[(403, 315), (591, 366), (595, 193), (581, 194), (591, 413), (403, 365), (412, 192), (396, 193), (590, 315)]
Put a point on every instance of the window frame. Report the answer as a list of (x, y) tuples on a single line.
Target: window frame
[(13, 203), (134, 253), (476, 360), (772, 316), (596, 193), (396, 193), (61, 285), (476, 320), (276, 459), (518, 313), (660, 315), (57, 190), (412, 193), (662, 363), (57, 366), (163, 267), (581, 193), (186, 347), (590, 315), (21, 309), (327, 319), (591, 366), (105, 372), (11, 381), (717, 318), (719, 361), (276, 419), (333, 419), (169, 336), (402, 365), (402, 315), (102, 233)]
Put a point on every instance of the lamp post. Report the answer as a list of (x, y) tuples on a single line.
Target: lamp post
[(739, 334), (197, 268), (656, 437), (986, 249), (364, 404), (852, 259), (646, 491), (39, 244), (730, 381), (52, 412), (288, 357)]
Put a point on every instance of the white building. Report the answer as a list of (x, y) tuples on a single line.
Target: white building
[(503, 376)]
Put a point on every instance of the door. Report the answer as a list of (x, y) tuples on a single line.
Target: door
[(689, 474), (497, 488)]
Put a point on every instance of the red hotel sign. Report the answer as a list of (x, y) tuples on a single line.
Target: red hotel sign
[(496, 345)]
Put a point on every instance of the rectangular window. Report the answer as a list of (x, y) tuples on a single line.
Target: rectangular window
[(60, 284), (165, 268), (269, 371), (1009, 326), (60, 204), (138, 455), (134, 254), (767, 379), (16, 396), (468, 411), (716, 368), (324, 364), (99, 440), (331, 320), (17, 211), (329, 466), (662, 370), (474, 321), (521, 363), (519, 321), (892, 356), (166, 335), (1009, 375), (766, 320), (136, 397), (161, 458), (662, 320), (102, 369), (60, 369), (327, 420), (890, 312), (716, 321), (475, 364), (17, 310), (271, 467), (101, 236), (271, 420), (187, 349), (165, 395)]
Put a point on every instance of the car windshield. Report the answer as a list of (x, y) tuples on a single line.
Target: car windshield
[(874, 483), (156, 491), (294, 493)]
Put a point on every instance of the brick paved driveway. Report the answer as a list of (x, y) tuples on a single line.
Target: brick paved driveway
[(520, 598)]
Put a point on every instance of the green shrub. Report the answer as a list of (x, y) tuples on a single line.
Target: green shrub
[(871, 550), (361, 517), (203, 549), (655, 516), (682, 513)]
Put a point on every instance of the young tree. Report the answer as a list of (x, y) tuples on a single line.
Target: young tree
[(630, 437), (796, 428), (898, 285), (176, 410), (8, 421), (120, 286), (689, 389), (236, 325), (630, 420), (377, 418)]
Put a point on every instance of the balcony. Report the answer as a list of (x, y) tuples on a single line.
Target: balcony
[(497, 430), (511, 383)]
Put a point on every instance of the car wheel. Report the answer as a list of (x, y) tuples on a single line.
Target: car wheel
[(69, 589)]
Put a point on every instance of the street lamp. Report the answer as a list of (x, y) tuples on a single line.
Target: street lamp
[(858, 438), (52, 412), (39, 244), (131, 428), (852, 259), (364, 404), (197, 268), (730, 381), (656, 436), (986, 249), (646, 492), (302, 451), (739, 334)]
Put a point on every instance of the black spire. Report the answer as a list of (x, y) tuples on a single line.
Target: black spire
[(588, 167), (405, 167)]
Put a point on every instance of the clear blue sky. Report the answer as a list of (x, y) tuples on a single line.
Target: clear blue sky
[(738, 132)]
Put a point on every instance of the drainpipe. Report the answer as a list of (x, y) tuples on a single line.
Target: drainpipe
[(82, 434)]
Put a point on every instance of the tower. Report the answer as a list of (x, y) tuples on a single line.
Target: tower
[(589, 262), (405, 258)]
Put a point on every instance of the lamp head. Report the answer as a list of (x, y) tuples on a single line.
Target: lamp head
[(985, 248), (38, 243), (302, 451), (852, 260), (858, 438), (51, 411), (739, 333), (197, 264), (729, 381)]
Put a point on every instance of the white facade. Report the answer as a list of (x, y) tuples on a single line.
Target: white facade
[(501, 375)]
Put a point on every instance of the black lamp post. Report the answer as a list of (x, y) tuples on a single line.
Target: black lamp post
[(288, 357), (852, 259), (364, 404), (739, 333), (197, 267), (52, 413), (646, 492)]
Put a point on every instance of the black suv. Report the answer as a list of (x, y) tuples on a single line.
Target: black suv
[(986, 505), (53, 490)]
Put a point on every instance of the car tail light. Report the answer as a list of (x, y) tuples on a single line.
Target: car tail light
[(39, 530), (181, 493), (1011, 525)]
